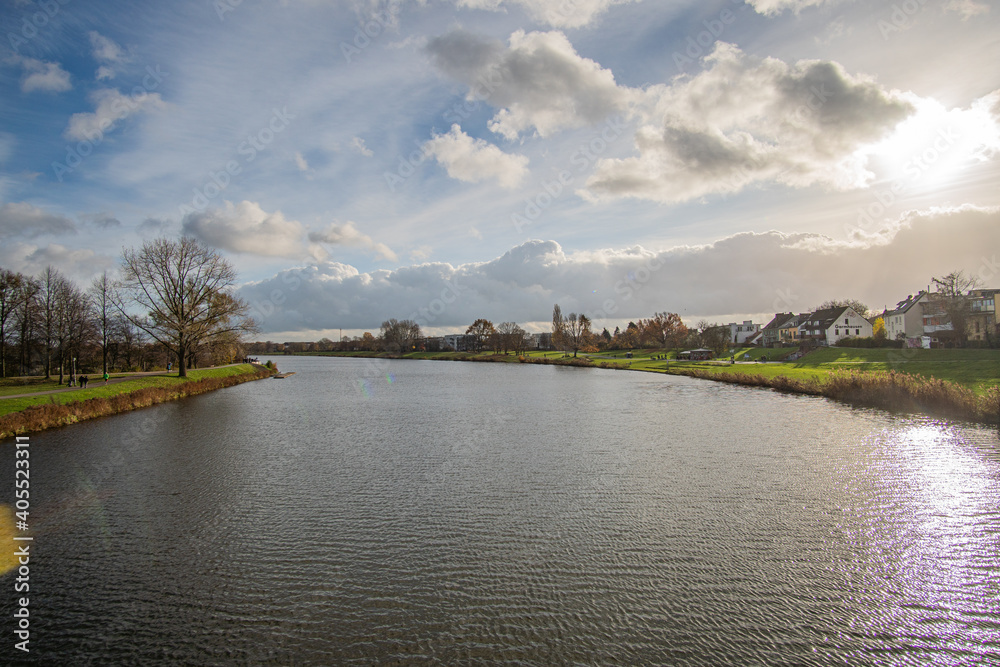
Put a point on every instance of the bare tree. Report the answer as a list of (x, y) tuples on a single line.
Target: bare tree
[(952, 299), (50, 283), (399, 336), (10, 285), (510, 337), (577, 334), (26, 320), (182, 290), (100, 294), (558, 328)]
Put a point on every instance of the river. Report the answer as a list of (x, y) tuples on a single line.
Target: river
[(420, 512)]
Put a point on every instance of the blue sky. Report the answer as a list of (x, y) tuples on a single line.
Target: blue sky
[(454, 159)]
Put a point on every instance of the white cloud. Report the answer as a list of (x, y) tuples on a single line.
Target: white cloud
[(537, 80), (110, 107), (23, 219), (745, 120), (474, 160), (105, 50), (773, 7), (78, 264), (967, 8), (44, 76), (556, 13), (300, 162), (348, 235), (777, 272), (247, 228), (358, 145)]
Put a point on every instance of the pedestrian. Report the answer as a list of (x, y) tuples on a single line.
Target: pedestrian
[(83, 381), (106, 376)]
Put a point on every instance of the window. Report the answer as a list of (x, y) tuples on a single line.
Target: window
[(846, 321), (857, 332)]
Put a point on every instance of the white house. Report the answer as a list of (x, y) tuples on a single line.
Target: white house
[(907, 320), (826, 327), (740, 333)]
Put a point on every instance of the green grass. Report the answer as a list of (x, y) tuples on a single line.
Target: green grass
[(99, 390)]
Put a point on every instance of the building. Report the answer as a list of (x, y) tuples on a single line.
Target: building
[(740, 333), (769, 334), (460, 342), (700, 354), (982, 322), (906, 320), (788, 332), (827, 326)]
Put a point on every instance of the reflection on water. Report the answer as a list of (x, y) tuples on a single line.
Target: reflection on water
[(414, 512)]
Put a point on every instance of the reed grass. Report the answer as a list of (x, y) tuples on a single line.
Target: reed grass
[(49, 415)]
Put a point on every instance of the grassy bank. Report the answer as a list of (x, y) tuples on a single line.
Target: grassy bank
[(35, 413), (954, 384)]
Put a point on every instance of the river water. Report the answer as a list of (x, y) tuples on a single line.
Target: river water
[(417, 512)]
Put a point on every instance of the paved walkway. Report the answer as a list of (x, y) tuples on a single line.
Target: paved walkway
[(97, 381)]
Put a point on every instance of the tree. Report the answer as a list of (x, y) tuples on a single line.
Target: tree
[(714, 337), (952, 300), (399, 337), (50, 283), (183, 290), (510, 337), (482, 330), (558, 328), (859, 306), (666, 330), (10, 285), (878, 329), (26, 320), (577, 335), (100, 295)]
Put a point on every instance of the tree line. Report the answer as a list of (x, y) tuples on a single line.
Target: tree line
[(172, 302)]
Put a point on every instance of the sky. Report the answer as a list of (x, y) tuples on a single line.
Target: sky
[(446, 160)]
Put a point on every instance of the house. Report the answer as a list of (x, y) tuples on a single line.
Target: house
[(827, 326), (906, 320), (739, 333), (982, 322), (937, 326), (756, 338), (788, 332), (769, 334)]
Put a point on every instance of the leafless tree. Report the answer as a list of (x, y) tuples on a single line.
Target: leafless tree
[(10, 286), (182, 292)]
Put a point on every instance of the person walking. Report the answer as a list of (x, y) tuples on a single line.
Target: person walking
[(83, 382), (106, 376)]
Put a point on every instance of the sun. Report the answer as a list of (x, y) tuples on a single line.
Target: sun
[(936, 146)]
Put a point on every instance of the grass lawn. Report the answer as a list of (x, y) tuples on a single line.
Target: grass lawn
[(99, 389)]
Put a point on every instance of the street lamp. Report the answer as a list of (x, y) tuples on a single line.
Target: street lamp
[(72, 377)]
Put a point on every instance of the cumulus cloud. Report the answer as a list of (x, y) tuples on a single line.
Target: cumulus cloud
[(349, 235), (107, 52), (110, 108), (474, 160), (537, 80), (246, 228), (774, 272), (745, 120), (556, 13), (77, 264), (23, 219), (44, 76)]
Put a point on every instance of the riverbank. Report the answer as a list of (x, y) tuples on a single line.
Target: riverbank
[(952, 384), (29, 414)]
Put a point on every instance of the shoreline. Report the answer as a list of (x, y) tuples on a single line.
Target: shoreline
[(894, 391), (35, 418)]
